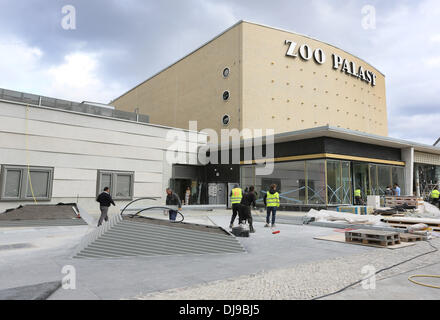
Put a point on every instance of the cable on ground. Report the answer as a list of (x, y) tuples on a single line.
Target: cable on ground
[(382, 270)]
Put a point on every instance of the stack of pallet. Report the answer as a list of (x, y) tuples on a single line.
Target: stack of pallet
[(372, 237), (404, 223), (407, 237), (398, 201)]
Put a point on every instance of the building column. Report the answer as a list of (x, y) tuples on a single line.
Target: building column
[(417, 179), (408, 157), (437, 175)]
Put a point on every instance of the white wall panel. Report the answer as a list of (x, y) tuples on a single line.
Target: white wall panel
[(78, 145), (75, 174), (37, 158), (57, 145)]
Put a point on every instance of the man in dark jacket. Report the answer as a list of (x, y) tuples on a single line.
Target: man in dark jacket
[(173, 200), (248, 201), (104, 199)]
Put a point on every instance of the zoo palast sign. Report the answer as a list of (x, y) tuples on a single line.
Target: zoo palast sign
[(348, 67)]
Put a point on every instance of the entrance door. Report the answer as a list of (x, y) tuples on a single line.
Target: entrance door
[(361, 178), (217, 193), (179, 187)]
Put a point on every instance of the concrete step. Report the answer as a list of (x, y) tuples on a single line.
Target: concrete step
[(126, 238)]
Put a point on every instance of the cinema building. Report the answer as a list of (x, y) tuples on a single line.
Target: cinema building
[(326, 106)]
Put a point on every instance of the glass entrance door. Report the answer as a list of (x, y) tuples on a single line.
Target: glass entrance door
[(361, 179)]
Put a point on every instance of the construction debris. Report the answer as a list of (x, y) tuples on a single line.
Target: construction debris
[(393, 201), (427, 211), (405, 222), (343, 217)]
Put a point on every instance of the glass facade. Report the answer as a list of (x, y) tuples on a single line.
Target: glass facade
[(288, 176), (315, 174), (338, 182), (382, 176), (323, 181)]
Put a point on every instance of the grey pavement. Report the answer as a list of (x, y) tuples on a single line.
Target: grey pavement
[(313, 280), (318, 267), (397, 287), (40, 291)]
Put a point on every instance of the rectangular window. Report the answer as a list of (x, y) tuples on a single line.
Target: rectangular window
[(23, 183), (121, 183)]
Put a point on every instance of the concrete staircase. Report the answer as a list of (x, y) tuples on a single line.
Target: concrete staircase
[(124, 237)]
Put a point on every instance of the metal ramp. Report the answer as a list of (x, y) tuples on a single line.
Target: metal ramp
[(43, 223), (42, 215), (125, 237)]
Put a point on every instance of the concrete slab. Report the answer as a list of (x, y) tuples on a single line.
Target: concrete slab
[(40, 291), (396, 288), (128, 277)]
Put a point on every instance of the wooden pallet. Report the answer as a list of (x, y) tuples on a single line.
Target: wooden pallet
[(404, 225), (397, 201), (408, 237), (373, 237)]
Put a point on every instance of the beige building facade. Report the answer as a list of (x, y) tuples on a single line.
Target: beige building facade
[(258, 77)]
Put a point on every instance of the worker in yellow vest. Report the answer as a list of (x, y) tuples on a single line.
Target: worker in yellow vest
[(358, 197), (272, 202), (236, 196), (435, 196)]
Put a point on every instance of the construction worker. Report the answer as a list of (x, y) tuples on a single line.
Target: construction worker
[(173, 200), (358, 196), (105, 200), (272, 202), (435, 196), (396, 190), (249, 200), (236, 196), (388, 191)]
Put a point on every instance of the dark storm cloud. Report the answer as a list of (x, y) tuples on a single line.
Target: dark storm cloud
[(138, 37)]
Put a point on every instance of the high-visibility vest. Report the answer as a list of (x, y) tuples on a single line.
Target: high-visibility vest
[(237, 194), (357, 192), (273, 200), (435, 194)]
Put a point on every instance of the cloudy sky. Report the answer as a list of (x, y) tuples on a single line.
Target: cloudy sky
[(118, 44)]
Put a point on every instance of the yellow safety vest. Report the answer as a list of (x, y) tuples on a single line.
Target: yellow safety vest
[(435, 194), (237, 194), (357, 192), (273, 200)]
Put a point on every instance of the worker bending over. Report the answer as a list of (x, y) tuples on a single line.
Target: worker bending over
[(249, 200)]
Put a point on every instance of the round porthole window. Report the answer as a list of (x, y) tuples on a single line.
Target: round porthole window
[(226, 119), (226, 72), (226, 95)]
